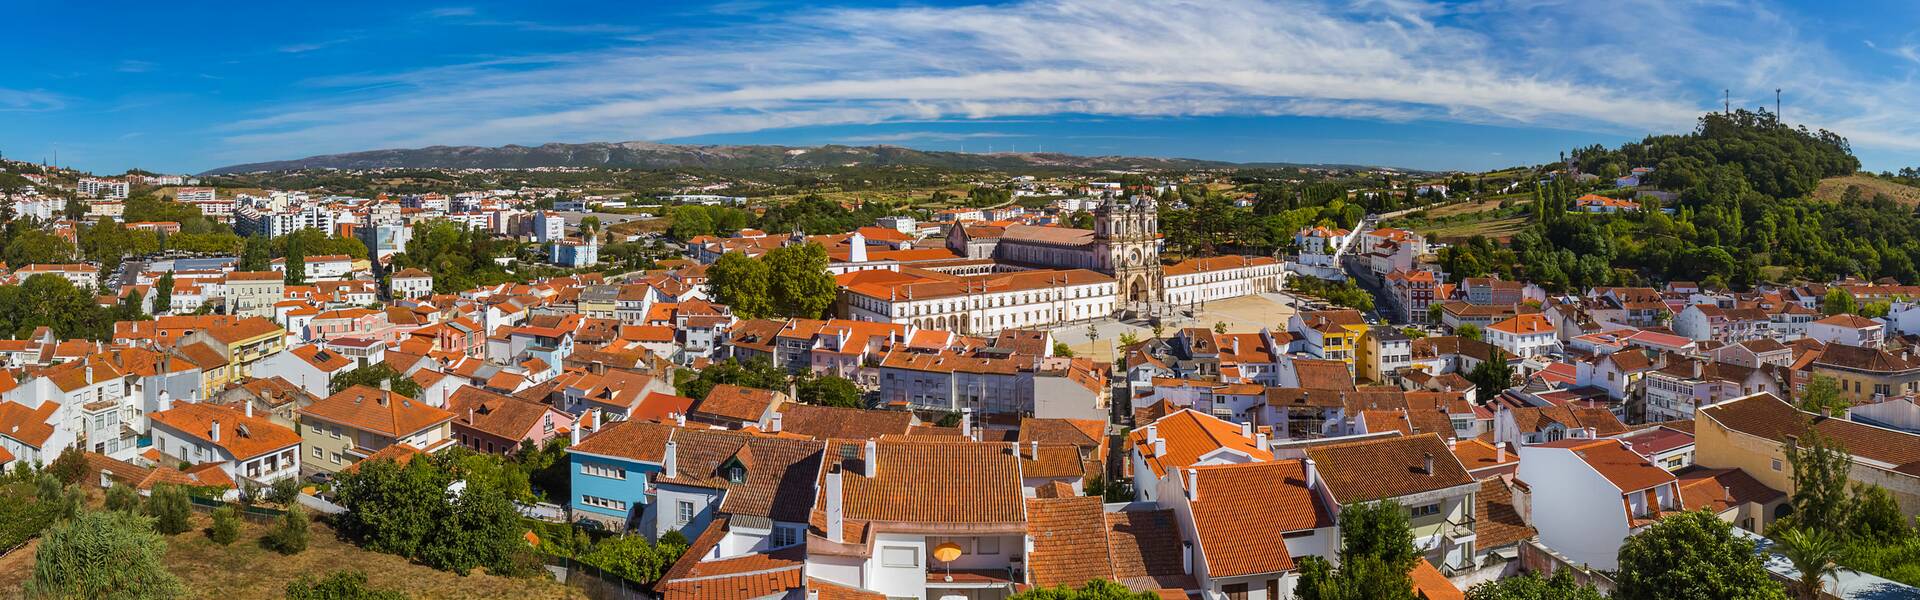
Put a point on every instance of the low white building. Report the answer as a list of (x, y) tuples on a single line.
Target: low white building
[(250, 448), (1202, 280), (1524, 335), (1586, 496), (981, 304)]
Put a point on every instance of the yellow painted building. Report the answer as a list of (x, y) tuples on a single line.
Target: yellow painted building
[(1749, 433)]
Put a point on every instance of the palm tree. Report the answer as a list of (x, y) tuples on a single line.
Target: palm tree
[(1814, 554)]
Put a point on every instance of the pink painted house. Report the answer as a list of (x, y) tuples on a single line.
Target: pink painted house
[(485, 421)]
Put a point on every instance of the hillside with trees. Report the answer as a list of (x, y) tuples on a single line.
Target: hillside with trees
[(1744, 215)]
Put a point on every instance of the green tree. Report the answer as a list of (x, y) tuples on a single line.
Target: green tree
[(1061, 349), (1876, 517), (255, 254), (1376, 555), (170, 509), (290, 535), (372, 375), (1531, 586), (1822, 396), (408, 511), (799, 281), (107, 554), (1814, 553), (339, 585), (1820, 465), (754, 373), (743, 284), (1469, 331), (163, 294), (828, 390), (632, 558), (1692, 555), (296, 261), (1838, 301), (70, 466), (123, 498), (1493, 375), (34, 246), (1097, 589), (226, 526)]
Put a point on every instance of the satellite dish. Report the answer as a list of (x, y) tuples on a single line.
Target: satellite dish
[(947, 552)]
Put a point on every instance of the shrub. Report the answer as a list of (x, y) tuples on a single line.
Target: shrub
[(108, 554), (170, 509), (339, 585), (290, 537), (226, 525), (123, 498)]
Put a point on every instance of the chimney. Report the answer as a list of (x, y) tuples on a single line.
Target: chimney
[(1697, 366), (574, 435), (1313, 474), (1246, 429), (1193, 484), (215, 433), (469, 415), (1153, 433), (680, 419), (1500, 453), (1160, 447), (671, 462), (386, 385), (1260, 440), (249, 408), (966, 423), (1429, 464), (773, 425), (872, 459), (836, 515), (89, 372)]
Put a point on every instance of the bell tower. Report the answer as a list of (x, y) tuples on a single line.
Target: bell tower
[(1127, 246)]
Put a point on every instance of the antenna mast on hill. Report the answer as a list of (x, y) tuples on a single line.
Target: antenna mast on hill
[(1726, 101), (1776, 104)]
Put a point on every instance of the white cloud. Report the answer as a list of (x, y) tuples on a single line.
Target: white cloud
[(1502, 62), (29, 101)]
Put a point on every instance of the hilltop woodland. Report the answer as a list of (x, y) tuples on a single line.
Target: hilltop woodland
[(1744, 215)]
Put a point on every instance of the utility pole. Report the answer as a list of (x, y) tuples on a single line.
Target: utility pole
[(1776, 104), (1726, 101)]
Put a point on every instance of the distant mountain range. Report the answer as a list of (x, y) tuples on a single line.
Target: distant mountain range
[(650, 155)]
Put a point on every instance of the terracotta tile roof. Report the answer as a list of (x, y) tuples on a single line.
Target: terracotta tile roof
[(1382, 468), (779, 473), (1069, 541), (745, 577), (658, 406), (19, 422), (1429, 584), (1524, 324), (828, 422), (400, 454), (737, 403), (1720, 489), (827, 590), (1054, 461), (495, 414), (1499, 523), (242, 436), (1850, 321), (374, 410), (1475, 454), (1612, 459), (922, 482), (243, 329), (325, 360), (1146, 546), (643, 441), (1322, 374), (1768, 417), (1241, 514), (1190, 435), (1534, 419)]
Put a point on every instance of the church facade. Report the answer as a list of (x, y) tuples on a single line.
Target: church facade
[(1124, 244)]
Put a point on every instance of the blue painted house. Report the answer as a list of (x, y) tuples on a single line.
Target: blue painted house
[(613, 471)]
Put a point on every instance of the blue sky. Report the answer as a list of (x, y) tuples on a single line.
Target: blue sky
[(1469, 84)]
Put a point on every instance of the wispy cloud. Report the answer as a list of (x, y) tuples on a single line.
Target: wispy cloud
[(926, 136), (1501, 62), (134, 66), (304, 47), (30, 101), (451, 11)]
